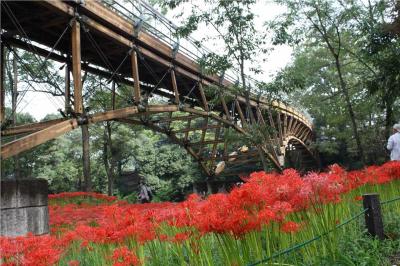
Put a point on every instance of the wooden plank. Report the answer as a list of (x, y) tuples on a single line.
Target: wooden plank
[(240, 112), (130, 111), (2, 83), (28, 142), (126, 28), (174, 86), (76, 66), (28, 128), (228, 115), (135, 75), (203, 97)]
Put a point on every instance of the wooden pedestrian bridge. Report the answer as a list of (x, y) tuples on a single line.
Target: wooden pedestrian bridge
[(135, 46)]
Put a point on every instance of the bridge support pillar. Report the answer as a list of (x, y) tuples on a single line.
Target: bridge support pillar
[(24, 207)]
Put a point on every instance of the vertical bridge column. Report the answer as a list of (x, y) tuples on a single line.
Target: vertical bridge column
[(135, 76), (76, 66)]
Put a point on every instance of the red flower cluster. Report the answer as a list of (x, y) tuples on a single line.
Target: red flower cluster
[(265, 197), (122, 256)]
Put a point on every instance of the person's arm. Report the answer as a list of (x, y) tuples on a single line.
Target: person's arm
[(390, 144)]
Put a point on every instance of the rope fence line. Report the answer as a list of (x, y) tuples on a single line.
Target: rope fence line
[(305, 243), (390, 201)]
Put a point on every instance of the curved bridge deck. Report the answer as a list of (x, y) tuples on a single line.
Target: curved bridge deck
[(88, 36)]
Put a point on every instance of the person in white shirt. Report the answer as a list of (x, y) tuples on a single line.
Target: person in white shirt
[(394, 143)]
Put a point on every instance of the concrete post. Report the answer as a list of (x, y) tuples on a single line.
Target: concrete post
[(24, 207)]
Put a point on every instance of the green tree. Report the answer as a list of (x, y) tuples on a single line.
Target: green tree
[(327, 24)]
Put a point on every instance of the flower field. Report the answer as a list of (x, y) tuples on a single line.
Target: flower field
[(268, 213)]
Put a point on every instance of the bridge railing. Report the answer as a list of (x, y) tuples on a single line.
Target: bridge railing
[(143, 15)]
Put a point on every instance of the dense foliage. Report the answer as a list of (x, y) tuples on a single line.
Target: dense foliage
[(345, 72)]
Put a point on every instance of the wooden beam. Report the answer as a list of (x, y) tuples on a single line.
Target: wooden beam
[(156, 50), (174, 139), (17, 146), (228, 115), (203, 97), (135, 76), (28, 128), (76, 66), (174, 86), (240, 112)]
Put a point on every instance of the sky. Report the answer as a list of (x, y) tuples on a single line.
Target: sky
[(41, 104)]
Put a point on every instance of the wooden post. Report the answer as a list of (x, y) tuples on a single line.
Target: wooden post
[(76, 66), (225, 107), (135, 75), (373, 216), (239, 110), (203, 97), (67, 89), (174, 86), (2, 84)]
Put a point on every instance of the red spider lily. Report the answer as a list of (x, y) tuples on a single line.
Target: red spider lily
[(73, 263), (122, 256), (290, 227)]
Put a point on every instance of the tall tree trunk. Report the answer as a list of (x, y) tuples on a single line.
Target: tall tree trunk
[(350, 110), (86, 158), (14, 113), (389, 119), (109, 167)]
